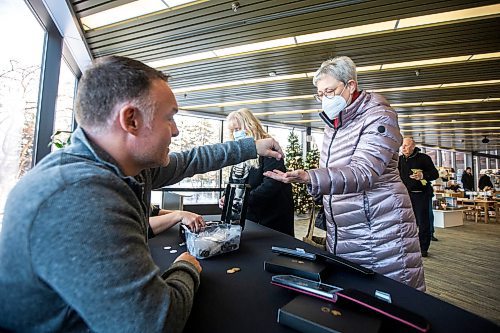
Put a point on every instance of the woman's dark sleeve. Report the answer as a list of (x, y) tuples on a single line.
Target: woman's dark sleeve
[(268, 188)]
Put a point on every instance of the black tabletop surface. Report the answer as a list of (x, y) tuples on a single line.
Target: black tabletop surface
[(247, 302)]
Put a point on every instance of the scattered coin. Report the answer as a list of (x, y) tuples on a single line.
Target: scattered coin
[(173, 251), (233, 270), (182, 244), (167, 247)]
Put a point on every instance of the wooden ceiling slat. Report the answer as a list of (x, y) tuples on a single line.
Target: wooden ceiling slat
[(178, 29), (212, 25)]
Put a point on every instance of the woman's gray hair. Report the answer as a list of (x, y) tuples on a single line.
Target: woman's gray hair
[(341, 68)]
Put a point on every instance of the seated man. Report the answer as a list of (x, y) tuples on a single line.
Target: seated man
[(76, 258), (484, 183)]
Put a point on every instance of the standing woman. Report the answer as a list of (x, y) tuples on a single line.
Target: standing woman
[(369, 214), (270, 202)]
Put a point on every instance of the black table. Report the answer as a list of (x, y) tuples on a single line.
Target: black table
[(247, 302)]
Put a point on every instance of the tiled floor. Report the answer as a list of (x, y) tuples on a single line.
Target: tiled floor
[(301, 225)]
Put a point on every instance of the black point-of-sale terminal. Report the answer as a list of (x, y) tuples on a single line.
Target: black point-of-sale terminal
[(295, 262)]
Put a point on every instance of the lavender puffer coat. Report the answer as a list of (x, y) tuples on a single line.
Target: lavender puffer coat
[(369, 215)]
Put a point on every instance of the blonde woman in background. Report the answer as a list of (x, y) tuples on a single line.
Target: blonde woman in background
[(270, 201)]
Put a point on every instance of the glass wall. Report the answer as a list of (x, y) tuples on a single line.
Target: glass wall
[(433, 155), (225, 137), (317, 140), (460, 162), (492, 163), (196, 131), (281, 135), (446, 160), (20, 66), (63, 120), (482, 163)]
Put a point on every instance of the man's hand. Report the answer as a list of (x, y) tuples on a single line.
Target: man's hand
[(193, 221), (221, 202), (417, 175), (295, 176), (189, 258), (269, 148)]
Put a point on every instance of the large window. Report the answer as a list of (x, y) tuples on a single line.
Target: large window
[(446, 158), (195, 131), (317, 140), (20, 64), (460, 161), (281, 134), (63, 120), (482, 163), (433, 155)]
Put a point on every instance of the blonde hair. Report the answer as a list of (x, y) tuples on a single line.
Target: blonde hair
[(245, 118)]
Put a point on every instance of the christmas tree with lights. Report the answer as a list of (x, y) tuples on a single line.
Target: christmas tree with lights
[(294, 161), (312, 162)]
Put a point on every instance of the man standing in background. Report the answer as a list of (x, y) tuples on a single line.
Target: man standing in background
[(468, 180), (417, 171)]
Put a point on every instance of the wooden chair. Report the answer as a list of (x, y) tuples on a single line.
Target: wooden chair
[(486, 210), (470, 211)]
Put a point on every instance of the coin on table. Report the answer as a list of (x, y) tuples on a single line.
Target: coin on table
[(233, 270)]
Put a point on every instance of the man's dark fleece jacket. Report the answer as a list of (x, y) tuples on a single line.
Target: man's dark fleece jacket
[(73, 250), (417, 160)]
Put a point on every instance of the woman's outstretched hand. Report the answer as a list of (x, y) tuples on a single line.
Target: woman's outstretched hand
[(295, 176)]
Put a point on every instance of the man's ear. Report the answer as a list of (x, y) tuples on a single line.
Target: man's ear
[(130, 119)]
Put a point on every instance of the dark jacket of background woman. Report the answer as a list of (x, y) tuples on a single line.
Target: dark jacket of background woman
[(484, 181), (468, 181), (270, 202)]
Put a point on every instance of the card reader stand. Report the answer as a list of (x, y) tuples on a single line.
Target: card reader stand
[(287, 265), (235, 204)]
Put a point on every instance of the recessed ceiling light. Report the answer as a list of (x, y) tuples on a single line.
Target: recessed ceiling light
[(447, 17), (240, 83), (362, 69), (380, 27), (248, 101), (130, 10)]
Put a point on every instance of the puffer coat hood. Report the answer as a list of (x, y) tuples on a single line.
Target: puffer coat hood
[(369, 215)]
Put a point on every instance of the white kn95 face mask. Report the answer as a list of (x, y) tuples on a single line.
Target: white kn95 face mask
[(333, 106)]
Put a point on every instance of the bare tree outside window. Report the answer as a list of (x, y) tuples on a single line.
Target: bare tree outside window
[(19, 86), (196, 131)]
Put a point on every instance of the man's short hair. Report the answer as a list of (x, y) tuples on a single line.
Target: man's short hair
[(110, 81)]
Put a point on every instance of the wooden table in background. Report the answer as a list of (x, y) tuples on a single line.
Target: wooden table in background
[(484, 205), (481, 204)]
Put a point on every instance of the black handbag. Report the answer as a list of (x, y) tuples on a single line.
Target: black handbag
[(310, 238), (320, 221)]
